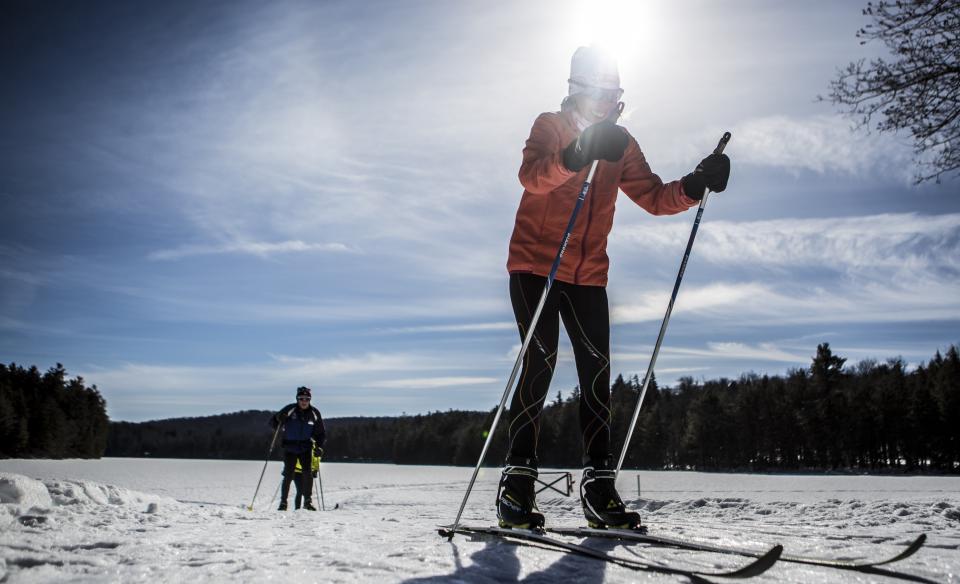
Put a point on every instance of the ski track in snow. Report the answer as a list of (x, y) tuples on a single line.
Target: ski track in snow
[(140, 520)]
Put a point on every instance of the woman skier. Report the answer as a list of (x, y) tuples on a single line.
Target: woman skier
[(556, 159)]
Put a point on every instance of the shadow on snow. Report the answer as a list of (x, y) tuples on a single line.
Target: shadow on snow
[(498, 562)]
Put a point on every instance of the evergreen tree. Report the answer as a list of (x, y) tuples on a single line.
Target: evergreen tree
[(49, 416), (946, 392)]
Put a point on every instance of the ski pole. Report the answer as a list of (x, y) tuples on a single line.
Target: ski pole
[(666, 318), (276, 492), (323, 506), (269, 452), (526, 340)]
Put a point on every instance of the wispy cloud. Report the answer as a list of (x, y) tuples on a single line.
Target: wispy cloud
[(256, 248), (454, 328), (889, 268), (278, 371), (872, 269), (651, 306), (903, 241), (13, 324), (432, 382), (766, 351), (822, 144), (342, 380), (762, 304), (345, 365)]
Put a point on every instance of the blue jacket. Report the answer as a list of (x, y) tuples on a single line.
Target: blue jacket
[(300, 426)]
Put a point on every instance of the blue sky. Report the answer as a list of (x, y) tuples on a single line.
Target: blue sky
[(205, 205)]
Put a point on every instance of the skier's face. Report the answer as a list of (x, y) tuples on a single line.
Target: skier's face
[(303, 402), (596, 107)]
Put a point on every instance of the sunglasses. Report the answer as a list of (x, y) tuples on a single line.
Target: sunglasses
[(303, 399), (599, 93)]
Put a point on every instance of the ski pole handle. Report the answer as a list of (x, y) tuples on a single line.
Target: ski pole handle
[(722, 144), (716, 151)]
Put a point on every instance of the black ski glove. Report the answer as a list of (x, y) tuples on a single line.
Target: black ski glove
[(712, 173), (601, 141), (318, 451)]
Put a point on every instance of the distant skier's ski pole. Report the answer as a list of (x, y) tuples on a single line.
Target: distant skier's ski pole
[(666, 318), (276, 492), (323, 506), (526, 340), (269, 452)]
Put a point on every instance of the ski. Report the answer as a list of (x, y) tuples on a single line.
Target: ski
[(529, 537), (645, 537)]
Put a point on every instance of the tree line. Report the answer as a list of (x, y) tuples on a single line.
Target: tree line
[(870, 417), (49, 416)]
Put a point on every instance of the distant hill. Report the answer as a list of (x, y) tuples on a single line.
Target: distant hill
[(246, 435)]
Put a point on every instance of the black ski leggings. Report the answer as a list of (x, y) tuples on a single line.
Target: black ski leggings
[(305, 484), (586, 317)]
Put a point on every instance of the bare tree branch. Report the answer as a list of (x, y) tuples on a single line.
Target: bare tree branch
[(918, 91)]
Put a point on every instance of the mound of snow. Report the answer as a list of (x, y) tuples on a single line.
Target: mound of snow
[(18, 493), (23, 491), (93, 494)]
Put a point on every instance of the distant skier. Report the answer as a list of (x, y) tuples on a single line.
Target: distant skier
[(303, 435), (556, 159)]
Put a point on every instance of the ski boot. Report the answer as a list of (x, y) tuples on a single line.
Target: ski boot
[(283, 506), (516, 499), (308, 505), (602, 505)]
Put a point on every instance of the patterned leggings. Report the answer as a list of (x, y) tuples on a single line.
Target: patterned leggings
[(586, 317)]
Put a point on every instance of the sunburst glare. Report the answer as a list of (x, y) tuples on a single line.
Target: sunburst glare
[(627, 29)]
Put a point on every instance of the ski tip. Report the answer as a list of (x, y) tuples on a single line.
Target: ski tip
[(770, 558), (758, 566), (909, 550)]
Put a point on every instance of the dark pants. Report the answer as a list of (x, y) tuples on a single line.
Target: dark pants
[(305, 484), (586, 318), (298, 497)]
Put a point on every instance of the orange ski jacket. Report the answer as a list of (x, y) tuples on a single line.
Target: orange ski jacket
[(551, 191)]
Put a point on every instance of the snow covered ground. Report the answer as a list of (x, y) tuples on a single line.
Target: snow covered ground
[(140, 520)]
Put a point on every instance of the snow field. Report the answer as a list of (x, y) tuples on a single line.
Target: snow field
[(138, 520)]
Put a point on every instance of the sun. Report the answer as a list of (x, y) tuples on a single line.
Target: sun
[(628, 29)]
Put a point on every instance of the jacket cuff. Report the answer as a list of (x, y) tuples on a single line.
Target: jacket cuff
[(562, 168), (686, 199)]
